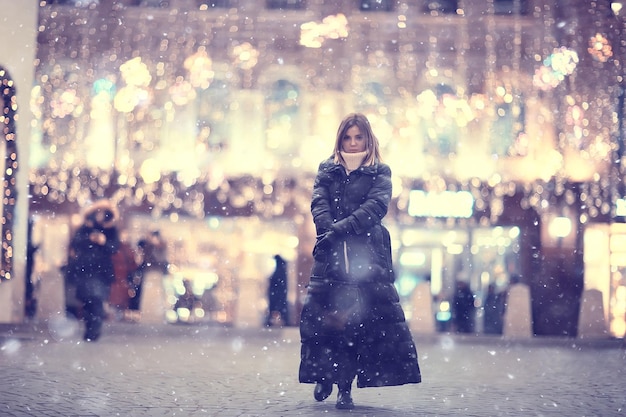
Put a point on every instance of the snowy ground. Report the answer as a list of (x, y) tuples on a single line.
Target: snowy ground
[(171, 370)]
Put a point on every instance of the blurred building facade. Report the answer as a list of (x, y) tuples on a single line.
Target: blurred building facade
[(502, 121)]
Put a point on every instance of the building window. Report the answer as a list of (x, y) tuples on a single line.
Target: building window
[(512, 7), (155, 3), (507, 130), (283, 110), (286, 4), (75, 3), (371, 98), (377, 5), (436, 7), (440, 119), (213, 108), (213, 4)]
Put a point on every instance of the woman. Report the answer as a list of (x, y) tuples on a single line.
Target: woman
[(91, 248), (352, 324), (278, 308)]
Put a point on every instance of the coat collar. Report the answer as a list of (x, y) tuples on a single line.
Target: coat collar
[(329, 165)]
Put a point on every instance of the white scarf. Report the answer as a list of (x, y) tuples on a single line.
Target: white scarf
[(353, 160)]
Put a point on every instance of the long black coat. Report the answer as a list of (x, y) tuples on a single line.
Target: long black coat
[(352, 304), (91, 266)]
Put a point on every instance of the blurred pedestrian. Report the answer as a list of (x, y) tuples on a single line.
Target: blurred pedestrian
[(134, 288), (124, 267), (277, 295), (155, 252), (30, 299), (90, 263), (463, 308), (494, 311), (352, 324), (153, 268)]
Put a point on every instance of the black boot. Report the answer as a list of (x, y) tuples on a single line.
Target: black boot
[(344, 397), (322, 390)]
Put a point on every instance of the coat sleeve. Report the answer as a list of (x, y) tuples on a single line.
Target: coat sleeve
[(373, 209), (80, 241), (112, 240), (320, 201)]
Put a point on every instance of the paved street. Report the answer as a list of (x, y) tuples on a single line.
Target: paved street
[(207, 370)]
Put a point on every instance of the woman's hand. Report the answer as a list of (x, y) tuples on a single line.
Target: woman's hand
[(326, 240), (97, 237)]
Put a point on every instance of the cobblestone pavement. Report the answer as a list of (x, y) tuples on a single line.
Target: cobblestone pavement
[(208, 370)]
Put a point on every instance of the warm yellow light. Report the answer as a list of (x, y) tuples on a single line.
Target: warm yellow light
[(616, 6), (313, 34), (150, 171), (245, 56), (560, 227), (126, 99), (183, 314), (200, 70), (135, 73)]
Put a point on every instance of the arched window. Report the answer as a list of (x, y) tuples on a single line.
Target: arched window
[(507, 127), (442, 114), (373, 100), (62, 106), (283, 108), (371, 97), (213, 106)]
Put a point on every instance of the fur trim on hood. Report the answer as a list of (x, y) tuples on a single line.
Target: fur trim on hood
[(101, 213)]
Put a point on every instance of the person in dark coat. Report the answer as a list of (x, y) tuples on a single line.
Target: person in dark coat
[(30, 301), (124, 268), (277, 294), (494, 311), (463, 308), (135, 284), (91, 248), (352, 324)]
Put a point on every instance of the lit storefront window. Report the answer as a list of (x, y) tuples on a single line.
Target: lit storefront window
[(605, 250), (283, 112)]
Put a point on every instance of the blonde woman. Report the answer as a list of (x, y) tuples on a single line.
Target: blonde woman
[(352, 324)]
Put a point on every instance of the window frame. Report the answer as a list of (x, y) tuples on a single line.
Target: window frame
[(370, 6), (285, 4), (447, 7)]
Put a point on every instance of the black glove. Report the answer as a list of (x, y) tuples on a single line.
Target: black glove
[(326, 240), (342, 227)]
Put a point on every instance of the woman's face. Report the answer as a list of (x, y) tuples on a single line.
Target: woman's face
[(353, 141)]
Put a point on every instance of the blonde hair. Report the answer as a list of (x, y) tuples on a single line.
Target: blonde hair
[(372, 152)]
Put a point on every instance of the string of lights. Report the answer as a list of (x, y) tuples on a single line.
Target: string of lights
[(9, 194)]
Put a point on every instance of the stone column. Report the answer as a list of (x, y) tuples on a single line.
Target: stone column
[(592, 322), (19, 31), (517, 317)]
